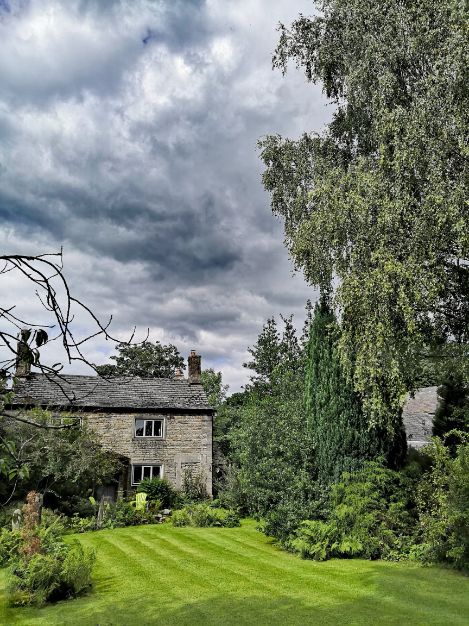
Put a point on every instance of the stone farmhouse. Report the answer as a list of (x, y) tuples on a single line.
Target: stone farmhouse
[(159, 427)]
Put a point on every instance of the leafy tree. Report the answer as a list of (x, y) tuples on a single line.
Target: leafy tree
[(375, 208), (272, 445), (67, 464), (340, 434), (214, 387), (265, 355), (271, 350), (147, 360)]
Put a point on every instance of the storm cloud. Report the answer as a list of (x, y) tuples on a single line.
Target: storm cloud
[(128, 134)]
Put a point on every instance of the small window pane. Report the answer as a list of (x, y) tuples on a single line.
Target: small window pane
[(137, 473), (156, 471), (139, 428), (158, 428), (148, 428), (147, 471)]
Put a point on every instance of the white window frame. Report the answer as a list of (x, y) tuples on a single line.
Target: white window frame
[(150, 419), (143, 465)]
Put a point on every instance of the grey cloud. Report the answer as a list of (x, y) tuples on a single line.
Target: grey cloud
[(141, 159)]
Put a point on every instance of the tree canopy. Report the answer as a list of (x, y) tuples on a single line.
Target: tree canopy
[(147, 360), (375, 208)]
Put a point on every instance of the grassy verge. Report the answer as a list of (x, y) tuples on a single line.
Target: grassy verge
[(190, 576)]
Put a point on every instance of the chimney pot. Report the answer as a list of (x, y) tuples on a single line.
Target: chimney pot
[(23, 354), (195, 368)]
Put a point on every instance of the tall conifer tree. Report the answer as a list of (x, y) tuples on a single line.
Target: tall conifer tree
[(341, 436)]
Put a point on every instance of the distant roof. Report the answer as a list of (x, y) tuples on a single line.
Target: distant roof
[(418, 415), (93, 392)]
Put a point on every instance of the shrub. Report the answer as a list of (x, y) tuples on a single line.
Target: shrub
[(78, 524), (371, 516), (159, 489), (77, 568), (443, 505), (42, 566), (9, 545), (204, 515), (194, 486), (123, 513), (62, 574), (181, 517), (233, 495)]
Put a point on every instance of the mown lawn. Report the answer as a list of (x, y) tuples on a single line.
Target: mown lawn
[(190, 576)]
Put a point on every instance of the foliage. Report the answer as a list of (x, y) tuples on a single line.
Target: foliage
[(9, 545), (273, 446), (378, 201), (42, 566), (204, 515), (43, 577), (77, 524), (370, 517), (453, 408), (159, 489), (223, 421), (213, 386), (339, 431), (232, 493), (147, 360), (64, 464), (194, 487), (271, 350), (122, 513), (443, 505)]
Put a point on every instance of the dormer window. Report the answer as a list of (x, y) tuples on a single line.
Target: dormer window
[(149, 428)]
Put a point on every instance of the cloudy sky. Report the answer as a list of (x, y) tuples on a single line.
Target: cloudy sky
[(128, 135)]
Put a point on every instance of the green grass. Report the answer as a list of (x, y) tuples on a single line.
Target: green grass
[(189, 576)]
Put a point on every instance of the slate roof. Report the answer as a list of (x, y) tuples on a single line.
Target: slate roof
[(93, 392), (418, 415)]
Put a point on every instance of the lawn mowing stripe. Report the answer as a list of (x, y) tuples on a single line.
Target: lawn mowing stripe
[(433, 598), (127, 546), (166, 589), (238, 567), (145, 550), (310, 574), (201, 555), (216, 568), (127, 591), (194, 550), (203, 581), (223, 540), (293, 562), (289, 562)]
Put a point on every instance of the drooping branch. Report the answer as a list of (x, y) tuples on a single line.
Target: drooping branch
[(21, 339)]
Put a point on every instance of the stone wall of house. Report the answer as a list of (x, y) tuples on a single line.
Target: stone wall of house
[(186, 445)]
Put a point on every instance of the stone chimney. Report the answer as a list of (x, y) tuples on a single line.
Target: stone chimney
[(178, 374), (23, 354), (195, 367)]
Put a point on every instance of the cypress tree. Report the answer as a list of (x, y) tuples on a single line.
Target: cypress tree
[(340, 434)]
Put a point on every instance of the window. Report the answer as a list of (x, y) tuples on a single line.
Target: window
[(149, 428), (139, 472)]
